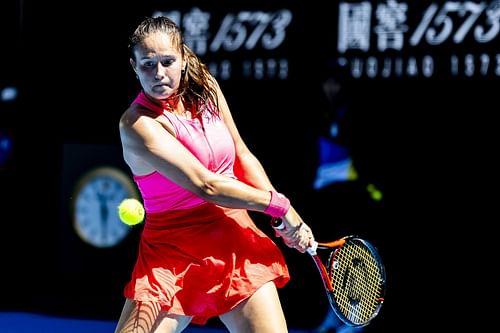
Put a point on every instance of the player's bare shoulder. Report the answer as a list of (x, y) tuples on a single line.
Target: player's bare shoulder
[(134, 125), (135, 113), (135, 119)]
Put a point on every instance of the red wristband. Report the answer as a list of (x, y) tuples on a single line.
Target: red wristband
[(278, 206)]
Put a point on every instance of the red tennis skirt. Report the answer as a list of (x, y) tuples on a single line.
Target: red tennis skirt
[(202, 262)]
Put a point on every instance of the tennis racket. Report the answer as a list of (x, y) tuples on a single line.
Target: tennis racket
[(353, 276)]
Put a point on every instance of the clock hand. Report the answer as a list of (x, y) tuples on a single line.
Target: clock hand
[(104, 212)]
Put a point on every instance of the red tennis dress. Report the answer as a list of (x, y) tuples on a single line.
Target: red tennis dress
[(195, 258)]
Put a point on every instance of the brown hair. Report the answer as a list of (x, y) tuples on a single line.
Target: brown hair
[(197, 87)]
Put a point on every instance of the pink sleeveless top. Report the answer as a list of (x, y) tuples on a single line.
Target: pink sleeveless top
[(207, 138), (205, 260)]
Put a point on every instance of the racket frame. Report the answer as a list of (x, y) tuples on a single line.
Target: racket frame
[(324, 271), (325, 274)]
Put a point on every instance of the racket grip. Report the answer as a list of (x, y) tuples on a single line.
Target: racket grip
[(312, 249), (277, 223)]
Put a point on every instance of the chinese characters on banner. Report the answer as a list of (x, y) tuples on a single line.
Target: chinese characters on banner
[(242, 31), (453, 35), (373, 39)]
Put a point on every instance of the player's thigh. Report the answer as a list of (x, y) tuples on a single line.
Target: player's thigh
[(147, 317), (262, 313)]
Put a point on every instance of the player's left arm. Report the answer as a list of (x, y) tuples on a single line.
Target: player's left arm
[(247, 168)]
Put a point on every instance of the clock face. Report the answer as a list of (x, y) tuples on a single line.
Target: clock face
[(95, 206)]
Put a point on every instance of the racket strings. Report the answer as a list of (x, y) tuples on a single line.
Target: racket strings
[(358, 279)]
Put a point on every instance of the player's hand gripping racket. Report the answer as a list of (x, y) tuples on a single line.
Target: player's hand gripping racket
[(353, 275)]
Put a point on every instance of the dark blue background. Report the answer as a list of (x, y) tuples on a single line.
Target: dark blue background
[(428, 143)]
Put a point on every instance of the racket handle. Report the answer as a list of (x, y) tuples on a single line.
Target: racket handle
[(277, 223), (312, 249)]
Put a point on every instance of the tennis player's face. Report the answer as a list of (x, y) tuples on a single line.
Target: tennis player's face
[(158, 65)]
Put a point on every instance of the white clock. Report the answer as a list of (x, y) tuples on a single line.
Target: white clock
[(96, 197)]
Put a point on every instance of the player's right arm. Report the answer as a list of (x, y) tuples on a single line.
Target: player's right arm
[(149, 144)]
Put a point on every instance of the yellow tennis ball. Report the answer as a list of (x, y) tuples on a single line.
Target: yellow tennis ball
[(131, 211)]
